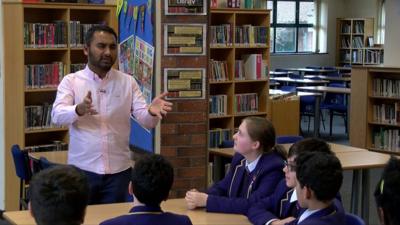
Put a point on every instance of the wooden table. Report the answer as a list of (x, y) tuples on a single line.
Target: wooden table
[(298, 81), (330, 78), (303, 71), (98, 213), (59, 157), (357, 159)]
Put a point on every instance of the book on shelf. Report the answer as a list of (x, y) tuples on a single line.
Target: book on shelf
[(55, 146), (219, 70), (77, 33), (246, 103), (221, 35), (254, 67), (358, 27), (386, 87), (38, 117), (45, 35), (249, 35), (218, 105), (386, 139), (217, 135), (346, 27), (387, 113), (44, 75)]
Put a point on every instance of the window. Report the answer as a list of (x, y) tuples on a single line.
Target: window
[(293, 26), (381, 23)]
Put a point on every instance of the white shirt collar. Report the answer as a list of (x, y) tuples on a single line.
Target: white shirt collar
[(306, 214), (293, 198), (251, 166)]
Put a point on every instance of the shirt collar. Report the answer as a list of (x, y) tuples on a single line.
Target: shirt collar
[(293, 198), (145, 208), (251, 166), (306, 214), (94, 76)]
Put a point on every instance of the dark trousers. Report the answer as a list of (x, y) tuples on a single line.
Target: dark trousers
[(108, 188)]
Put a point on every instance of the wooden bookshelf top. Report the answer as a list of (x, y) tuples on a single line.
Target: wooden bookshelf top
[(384, 97), (383, 151), (384, 124), (30, 90), (380, 68), (60, 5), (44, 130)]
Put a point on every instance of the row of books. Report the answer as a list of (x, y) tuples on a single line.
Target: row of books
[(358, 27), (387, 113), (255, 4), (386, 87), (45, 35), (38, 117), (55, 146), (217, 136), (357, 56), (246, 103), (251, 67), (219, 70), (345, 42), (77, 32), (221, 35), (44, 75), (218, 105), (373, 56), (76, 67), (346, 27), (250, 35), (386, 139), (358, 42)]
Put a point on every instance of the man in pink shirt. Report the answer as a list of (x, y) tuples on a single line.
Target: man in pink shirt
[(96, 103)]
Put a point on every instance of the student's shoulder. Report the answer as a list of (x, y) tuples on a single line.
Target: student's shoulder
[(120, 220), (272, 160)]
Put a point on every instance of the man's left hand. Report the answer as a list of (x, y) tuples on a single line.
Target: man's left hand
[(159, 107)]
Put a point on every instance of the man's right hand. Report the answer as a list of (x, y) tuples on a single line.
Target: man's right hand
[(86, 107)]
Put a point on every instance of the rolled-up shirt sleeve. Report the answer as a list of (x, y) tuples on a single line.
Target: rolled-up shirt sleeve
[(63, 112), (140, 108)]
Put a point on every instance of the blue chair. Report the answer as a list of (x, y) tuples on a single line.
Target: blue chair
[(21, 162), (334, 73), (352, 219), (312, 67), (288, 139), (226, 144), (44, 163), (336, 105), (288, 88)]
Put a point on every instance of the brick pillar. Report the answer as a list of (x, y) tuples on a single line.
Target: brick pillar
[(184, 130)]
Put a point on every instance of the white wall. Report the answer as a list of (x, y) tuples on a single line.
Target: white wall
[(2, 131), (361, 8), (392, 33), (330, 10)]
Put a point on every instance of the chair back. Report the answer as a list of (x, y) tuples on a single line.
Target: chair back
[(226, 144), (288, 88), (21, 162), (44, 163), (335, 98), (288, 139), (352, 219)]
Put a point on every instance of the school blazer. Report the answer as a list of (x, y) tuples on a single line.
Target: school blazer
[(331, 215), (275, 206), (148, 215), (278, 206), (223, 196)]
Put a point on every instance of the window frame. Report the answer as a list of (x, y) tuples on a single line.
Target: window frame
[(296, 25)]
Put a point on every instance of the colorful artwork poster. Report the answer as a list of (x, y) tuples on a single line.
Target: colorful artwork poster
[(126, 56), (143, 64)]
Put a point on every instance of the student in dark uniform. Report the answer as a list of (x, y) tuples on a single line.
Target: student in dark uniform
[(319, 177), (151, 181), (282, 206), (387, 193), (59, 195), (255, 170)]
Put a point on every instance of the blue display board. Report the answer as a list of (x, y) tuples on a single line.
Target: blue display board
[(136, 18)]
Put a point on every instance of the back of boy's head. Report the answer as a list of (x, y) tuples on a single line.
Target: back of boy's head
[(152, 178), (59, 195), (309, 145), (387, 192), (321, 172)]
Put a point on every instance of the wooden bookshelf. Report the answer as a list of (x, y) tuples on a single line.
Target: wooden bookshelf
[(373, 113), (228, 49), (17, 55), (352, 43)]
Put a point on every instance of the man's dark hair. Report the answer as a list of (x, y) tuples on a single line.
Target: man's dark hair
[(309, 145), (59, 195), (152, 178), (321, 172), (387, 192), (98, 28)]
